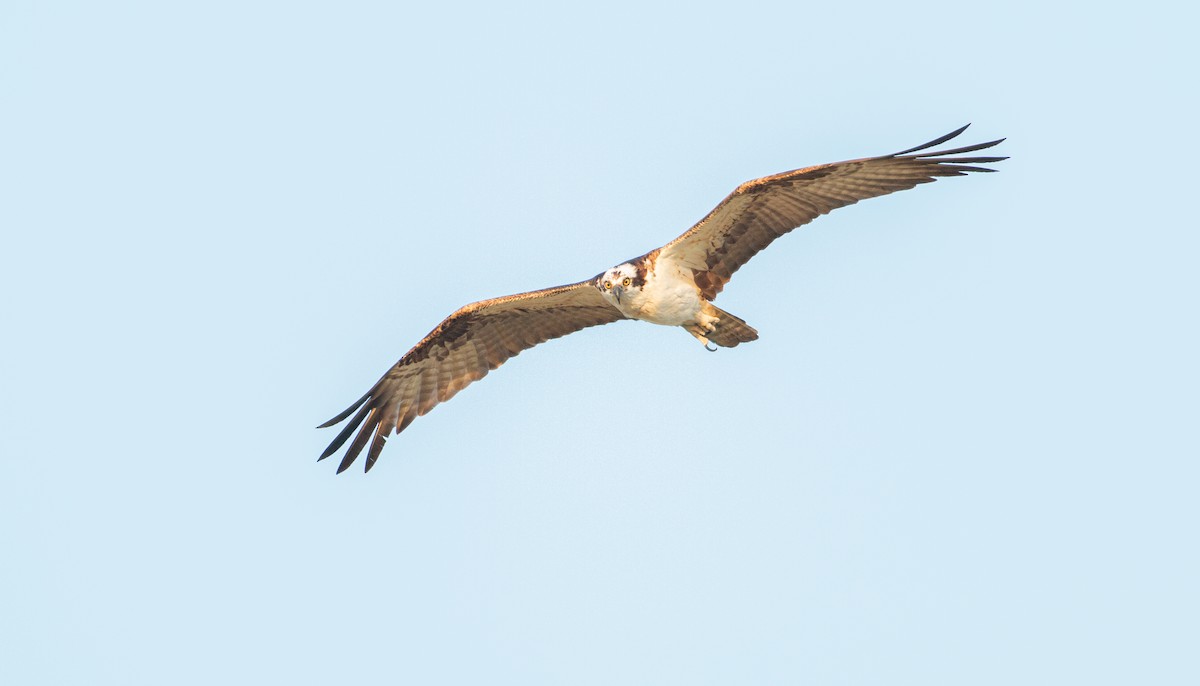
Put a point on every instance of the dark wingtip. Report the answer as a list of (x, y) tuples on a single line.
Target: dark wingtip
[(936, 141), (347, 460), (346, 413), (342, 437)]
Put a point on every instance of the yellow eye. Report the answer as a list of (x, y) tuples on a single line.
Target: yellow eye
[(608, 285), (626, 282)]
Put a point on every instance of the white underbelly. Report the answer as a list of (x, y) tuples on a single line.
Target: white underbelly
[(667, 298)]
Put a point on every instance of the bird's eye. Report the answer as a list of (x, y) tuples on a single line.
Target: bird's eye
[(608, 285), (626, 282)]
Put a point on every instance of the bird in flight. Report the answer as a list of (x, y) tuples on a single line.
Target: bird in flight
[(673, 285)]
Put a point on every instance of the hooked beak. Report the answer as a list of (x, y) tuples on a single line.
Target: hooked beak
[(617, 291)]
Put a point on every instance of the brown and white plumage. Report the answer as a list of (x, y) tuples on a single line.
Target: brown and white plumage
[(464, 348), (672, 285), (757, 212)]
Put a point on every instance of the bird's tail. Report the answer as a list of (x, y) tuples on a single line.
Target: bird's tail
[(728, 330)]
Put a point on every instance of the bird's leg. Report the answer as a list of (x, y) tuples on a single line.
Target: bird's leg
[(704, 324), (707, 321)]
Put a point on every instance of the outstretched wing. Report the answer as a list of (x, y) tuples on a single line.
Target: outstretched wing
[(760, 211), (464, 348)]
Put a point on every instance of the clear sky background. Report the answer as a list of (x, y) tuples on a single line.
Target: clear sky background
[(964, 450)]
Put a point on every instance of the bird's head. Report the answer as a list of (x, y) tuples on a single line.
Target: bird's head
[(620, 283)]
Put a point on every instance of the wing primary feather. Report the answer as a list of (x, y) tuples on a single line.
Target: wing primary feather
[(960, 168), (966, 148), (936, 141), (345, 433), (346, 413), (360, 441), (970, 160), (386, 423), (376, 448)]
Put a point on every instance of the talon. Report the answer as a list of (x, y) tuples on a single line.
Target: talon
[(711, 350)]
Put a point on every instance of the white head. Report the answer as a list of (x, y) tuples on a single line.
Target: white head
[(621, 282)]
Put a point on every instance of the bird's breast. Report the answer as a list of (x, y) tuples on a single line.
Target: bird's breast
[(667, 297)]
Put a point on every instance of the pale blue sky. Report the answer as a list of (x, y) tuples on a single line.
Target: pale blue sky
[(963, 451)]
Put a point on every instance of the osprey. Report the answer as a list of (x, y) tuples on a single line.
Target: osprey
[(673, 285)]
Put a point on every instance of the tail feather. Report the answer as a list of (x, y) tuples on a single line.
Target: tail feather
[(728, 330)]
